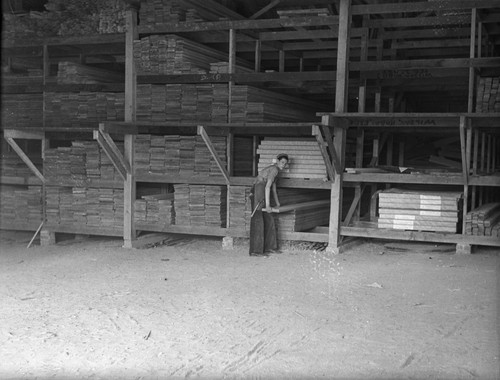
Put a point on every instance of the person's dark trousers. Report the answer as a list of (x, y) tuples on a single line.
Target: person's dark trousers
[(262, 227)]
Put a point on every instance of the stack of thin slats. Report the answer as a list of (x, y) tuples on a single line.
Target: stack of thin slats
[(157, 209), (484, 220), (175, 154), (71, 72), (434, 211), (488, 94), (158, 12), (13, 166), (22, 110), (240, 207), (113, 20), (83, 160), (83, 109), (305, 159), (80, 206), (19, 204), (170, 54), (200, 205)]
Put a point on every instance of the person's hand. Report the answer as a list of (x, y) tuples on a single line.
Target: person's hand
[(277, 205)]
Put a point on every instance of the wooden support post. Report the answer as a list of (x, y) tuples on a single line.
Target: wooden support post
[(258, 56), (474, 169), (360, 142), (401, 153), (465, 136), (470, 101), (255, 143), (129, 187), (281, 61), (47, 238)]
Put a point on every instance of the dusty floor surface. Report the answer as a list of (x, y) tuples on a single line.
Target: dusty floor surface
[(90, 309)]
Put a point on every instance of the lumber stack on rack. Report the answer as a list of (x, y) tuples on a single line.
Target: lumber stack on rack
[(484, 220), (83, 109), (305, 159), (72, 72), (83, 160), (157, 209), (13, 166), (21, 204), (31, 76), (22, 110), (303, 216), (174, 154), (170, 54), (82, 206), (434, 211), (240, 207), (488, 94), (200, 205)]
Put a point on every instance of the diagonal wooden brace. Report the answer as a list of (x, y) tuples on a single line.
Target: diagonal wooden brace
[(25, 158), (331, 166), (354, 204), (203, 133), (113, 153)]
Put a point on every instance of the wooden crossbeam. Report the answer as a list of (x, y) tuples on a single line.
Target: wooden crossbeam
[(300, 206), (19, 134), (25, 158), (330, 168), (113, 153), (202, 132)]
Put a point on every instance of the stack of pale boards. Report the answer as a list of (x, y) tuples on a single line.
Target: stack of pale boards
[(434, 211), (305, 158)]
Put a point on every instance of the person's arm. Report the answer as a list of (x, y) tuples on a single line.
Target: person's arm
[(269, 184), (275, 194)]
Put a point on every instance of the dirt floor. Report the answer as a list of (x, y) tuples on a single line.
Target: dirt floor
[(89, 309)]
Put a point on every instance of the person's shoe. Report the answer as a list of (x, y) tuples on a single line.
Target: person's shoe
[(259, 254), (273, 251)]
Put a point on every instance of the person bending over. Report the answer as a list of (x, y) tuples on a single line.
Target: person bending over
[(263, 239)]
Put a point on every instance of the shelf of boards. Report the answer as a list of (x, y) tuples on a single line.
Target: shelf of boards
[(430, 179), (83, 229)]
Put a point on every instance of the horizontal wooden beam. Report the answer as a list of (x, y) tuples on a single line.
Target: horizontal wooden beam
[(423, 6), (21, 134), (119, 128)]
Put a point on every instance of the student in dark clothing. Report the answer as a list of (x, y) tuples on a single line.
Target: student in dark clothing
[(263, 238)]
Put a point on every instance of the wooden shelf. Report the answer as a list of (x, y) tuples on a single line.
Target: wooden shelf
[(369, 230), (83, 229)]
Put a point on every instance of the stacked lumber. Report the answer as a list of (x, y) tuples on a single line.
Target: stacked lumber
[(240, 207), (33, 77), (158, 12), (157, 209), (223, 68), (435, 211), (113, 20), (170, 54), (13, 166), (243, 156), (71, 72), (83, 109), (305, 159), (174, 154), (81, 206), (22, 111), (303, 216), (251, 104), (20, 204), (81, 161), (488, 94), (484, 220), (200, 205)]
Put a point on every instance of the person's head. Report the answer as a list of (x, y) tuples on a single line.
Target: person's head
[(282, 160)]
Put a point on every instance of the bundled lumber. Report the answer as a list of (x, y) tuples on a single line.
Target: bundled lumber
[(174, 154), (240, 207), (157, 12), (113, 20), (434, 211), (484, 220), (81, 206), (22, 111), (83, 160), (13, 166), (303, 216), (200, 205), (21, 204), (83, 109), (305, 159), (157, 209), (170, 54), (488, 94), (71, 72)]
